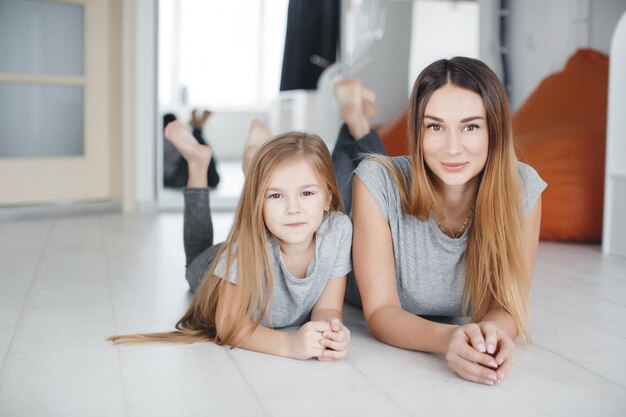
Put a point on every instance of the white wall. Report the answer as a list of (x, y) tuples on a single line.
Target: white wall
[(489, 34), (385, 66), (615, 181), (145, 101), (544, 34), (442, 29), (604, 16)]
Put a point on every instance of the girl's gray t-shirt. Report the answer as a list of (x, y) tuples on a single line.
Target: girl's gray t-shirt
[(293, 298), (429, 264)]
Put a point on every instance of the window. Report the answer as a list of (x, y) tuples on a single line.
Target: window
[(220, 54)]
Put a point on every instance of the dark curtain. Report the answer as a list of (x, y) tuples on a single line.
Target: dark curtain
[(310, 43)]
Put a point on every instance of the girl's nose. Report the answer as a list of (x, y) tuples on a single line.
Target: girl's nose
[(293, 207)]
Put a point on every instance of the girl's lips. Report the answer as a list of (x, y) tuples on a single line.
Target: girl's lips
[(454, 166), (295, 224)]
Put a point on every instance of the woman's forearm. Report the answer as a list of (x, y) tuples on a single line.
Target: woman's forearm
[(503, 320), (400, 328)]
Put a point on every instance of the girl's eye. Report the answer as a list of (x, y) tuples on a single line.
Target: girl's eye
[(308, 193), (471, 128), (434, 127), (275, 195)]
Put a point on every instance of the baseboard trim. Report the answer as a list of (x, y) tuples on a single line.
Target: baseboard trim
[(65, 209)]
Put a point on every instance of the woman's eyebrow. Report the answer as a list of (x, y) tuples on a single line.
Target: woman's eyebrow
[(467, 119)]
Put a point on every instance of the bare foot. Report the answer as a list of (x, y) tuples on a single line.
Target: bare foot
[(258, 134), (197, 156), (369, 103), (198, 121), (350, 96)]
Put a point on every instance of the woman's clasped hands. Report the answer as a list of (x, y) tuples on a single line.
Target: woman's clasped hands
[(324, 340), (480, 352)]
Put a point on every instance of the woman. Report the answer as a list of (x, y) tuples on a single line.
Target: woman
[(449, 231)]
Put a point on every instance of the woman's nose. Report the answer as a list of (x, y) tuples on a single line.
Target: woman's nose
[(453, 143)]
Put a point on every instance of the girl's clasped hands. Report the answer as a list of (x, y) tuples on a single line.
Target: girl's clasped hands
[(324, 340)]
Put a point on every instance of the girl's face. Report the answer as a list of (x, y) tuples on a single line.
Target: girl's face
[(455, 137), (294, 203)]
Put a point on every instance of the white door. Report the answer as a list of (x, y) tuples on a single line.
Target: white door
[(54, 101)]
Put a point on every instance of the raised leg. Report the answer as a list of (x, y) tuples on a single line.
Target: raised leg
[(258, 134), (197, 156), (197, 224), (358, 107)]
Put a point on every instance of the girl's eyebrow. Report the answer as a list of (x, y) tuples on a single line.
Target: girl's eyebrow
[(467, 119), (275, 189)]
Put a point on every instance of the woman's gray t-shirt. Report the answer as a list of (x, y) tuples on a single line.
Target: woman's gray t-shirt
[(293, 298), (428, 263)]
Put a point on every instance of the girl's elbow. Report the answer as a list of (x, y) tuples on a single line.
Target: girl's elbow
[(222, 328)]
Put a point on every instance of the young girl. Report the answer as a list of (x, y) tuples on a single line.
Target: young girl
[(285, 260), (451, 230)]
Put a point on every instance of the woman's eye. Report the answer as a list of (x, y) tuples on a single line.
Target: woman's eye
[(275, 195), (308, 193), (471, 128), (434, 127)]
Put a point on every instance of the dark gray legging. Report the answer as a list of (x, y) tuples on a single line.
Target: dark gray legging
[(198, 227), (197, 235)]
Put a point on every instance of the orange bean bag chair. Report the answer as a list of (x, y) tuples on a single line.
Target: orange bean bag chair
[(561, 132), (395, 135)]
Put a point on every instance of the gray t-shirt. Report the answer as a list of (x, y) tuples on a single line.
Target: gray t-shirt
[(294, 298), (429, 264)]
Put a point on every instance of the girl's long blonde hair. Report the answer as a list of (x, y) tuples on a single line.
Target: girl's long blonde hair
[(494, 261), (247, 247)]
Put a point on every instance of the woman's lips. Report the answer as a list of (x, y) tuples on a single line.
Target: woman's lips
[(454, 166)]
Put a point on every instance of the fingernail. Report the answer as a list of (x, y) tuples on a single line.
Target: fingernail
[(493, 364), (490, 348), (481, 348), (489, 382), (500, 361), (493, 377), (501, 377)]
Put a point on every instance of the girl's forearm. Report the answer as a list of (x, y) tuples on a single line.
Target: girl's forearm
[(400, 328), (326, 314), (264, 340)]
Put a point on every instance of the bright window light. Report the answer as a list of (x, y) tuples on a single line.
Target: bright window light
[(229, 53)]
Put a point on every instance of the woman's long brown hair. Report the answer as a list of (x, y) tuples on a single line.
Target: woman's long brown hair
[(247, 247), (496, 269)]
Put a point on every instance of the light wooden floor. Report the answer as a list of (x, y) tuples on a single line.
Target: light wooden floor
[(66, 284)]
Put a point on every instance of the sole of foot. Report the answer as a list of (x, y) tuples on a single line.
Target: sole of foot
[(184, 142)]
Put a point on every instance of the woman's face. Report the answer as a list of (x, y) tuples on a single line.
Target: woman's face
[(455, 138)]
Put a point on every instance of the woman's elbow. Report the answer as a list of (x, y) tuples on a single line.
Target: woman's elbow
[(374, 322)]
